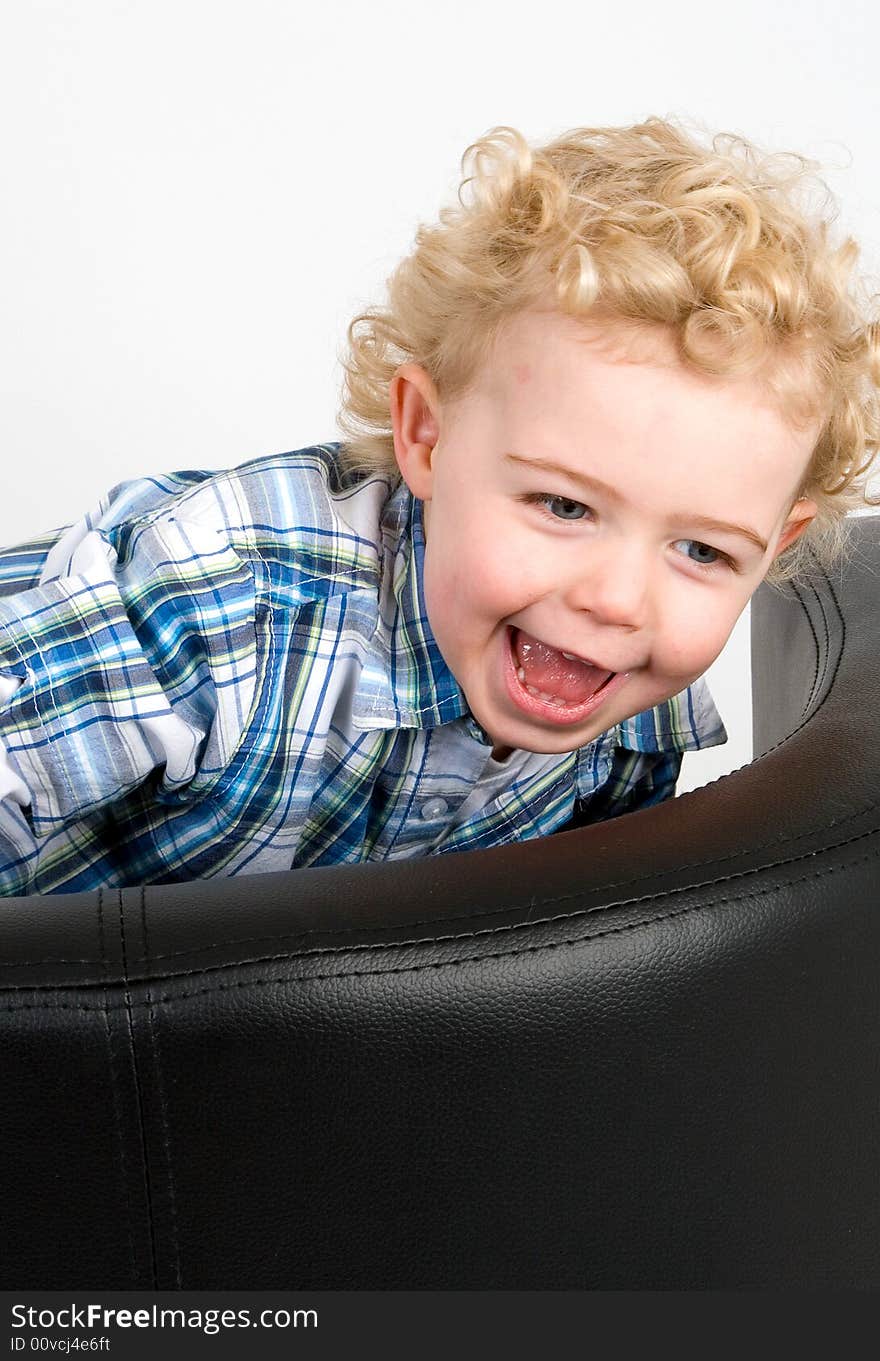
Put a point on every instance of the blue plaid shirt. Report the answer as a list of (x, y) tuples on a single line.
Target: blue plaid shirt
[(219, 673)]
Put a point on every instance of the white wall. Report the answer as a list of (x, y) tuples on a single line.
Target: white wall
[(198, 194)]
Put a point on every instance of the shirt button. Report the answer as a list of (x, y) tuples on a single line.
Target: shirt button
[(434, 808), (475, 730)]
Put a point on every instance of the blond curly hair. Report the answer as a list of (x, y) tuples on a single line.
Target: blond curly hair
[(645, 224)]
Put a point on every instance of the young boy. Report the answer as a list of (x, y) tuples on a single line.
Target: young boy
[(607, 397)]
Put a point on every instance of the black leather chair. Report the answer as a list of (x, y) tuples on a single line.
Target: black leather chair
[(637, 1055)]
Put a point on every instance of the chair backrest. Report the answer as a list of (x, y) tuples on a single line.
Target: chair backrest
[(636, 1055)]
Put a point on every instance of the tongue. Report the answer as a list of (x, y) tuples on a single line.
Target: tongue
[(547, 669)]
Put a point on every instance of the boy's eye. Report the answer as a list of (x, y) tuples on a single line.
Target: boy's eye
[(702, 550), (565, 509)]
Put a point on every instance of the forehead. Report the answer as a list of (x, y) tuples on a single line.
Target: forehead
[(532, 344), (613, 391)]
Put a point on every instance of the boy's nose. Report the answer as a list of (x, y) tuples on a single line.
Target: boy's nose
[(615, 589)]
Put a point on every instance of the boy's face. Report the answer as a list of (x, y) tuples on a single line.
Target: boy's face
[(565, 504)]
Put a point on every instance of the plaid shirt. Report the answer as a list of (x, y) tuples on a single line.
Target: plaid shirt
[(219, 673)]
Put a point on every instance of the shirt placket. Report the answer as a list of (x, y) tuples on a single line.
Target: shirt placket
[(453, 764)]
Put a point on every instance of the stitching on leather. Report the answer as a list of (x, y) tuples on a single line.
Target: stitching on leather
[(436, 964), (514, 927), (821, 674), (810, 715), (826, 658), (467, 935), (814, 685), (163, 1104), (114, 1092), (127, 1005)]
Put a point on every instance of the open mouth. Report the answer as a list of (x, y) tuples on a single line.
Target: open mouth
[(557, 686)]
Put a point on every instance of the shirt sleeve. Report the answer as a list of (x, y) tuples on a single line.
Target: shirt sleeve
[(132, 656)]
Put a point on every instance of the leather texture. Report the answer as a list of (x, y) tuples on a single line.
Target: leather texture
[(636, 1055)]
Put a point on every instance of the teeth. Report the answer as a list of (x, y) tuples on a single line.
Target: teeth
[(570, 657), (548, 699), (521, 675)]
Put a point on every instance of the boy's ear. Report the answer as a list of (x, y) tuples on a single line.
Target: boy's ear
[(415, 421), (801, 515)]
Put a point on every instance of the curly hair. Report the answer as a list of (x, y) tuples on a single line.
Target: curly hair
[(646, 225)]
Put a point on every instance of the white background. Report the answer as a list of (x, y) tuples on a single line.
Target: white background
[(198, 196)]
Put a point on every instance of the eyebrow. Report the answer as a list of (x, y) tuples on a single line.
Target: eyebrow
[(595, 484)]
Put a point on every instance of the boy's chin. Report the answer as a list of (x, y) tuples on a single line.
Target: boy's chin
[(540, 744)]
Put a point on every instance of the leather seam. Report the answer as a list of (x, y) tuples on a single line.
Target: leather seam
[(435, 964), (817, 671), (115, 1097), (163, 1105), (808, 715), (465, 935), (127, 1005)]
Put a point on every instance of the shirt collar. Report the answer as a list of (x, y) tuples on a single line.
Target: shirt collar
[(405, 683), (686, 722)]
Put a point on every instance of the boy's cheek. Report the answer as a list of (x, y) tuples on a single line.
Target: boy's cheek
[(508, 576), (472, 581), (692, 647)]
